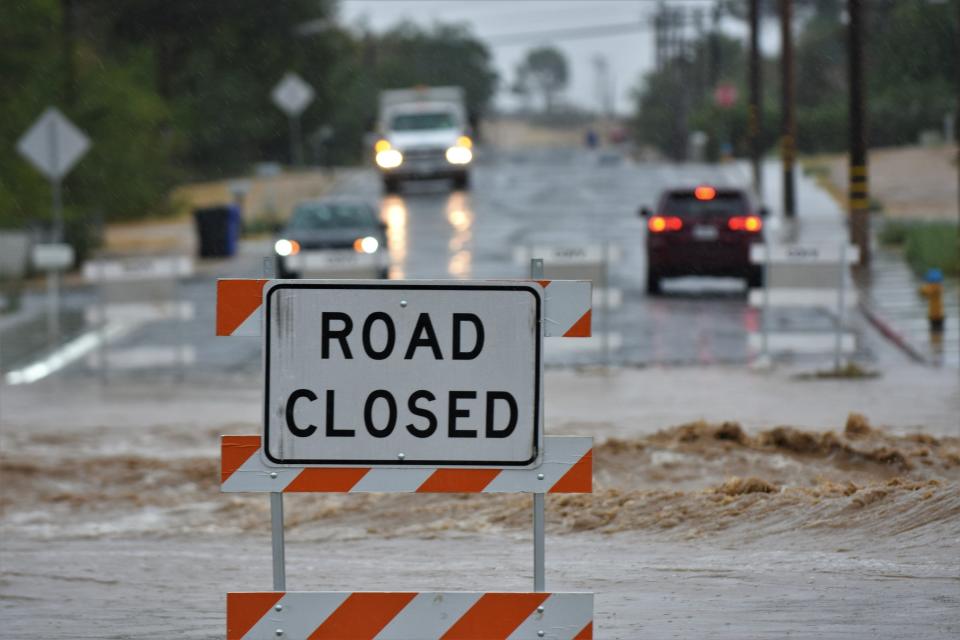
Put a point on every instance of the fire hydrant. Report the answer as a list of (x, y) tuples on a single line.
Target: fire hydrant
[(932, 290)]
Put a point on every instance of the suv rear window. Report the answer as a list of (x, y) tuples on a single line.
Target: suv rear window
[(687, 205)]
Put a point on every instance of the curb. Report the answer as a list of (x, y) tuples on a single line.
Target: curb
[(891, 334)]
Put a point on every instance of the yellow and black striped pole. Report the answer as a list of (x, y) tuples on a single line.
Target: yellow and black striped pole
[(755, 111), (787, 124), (859, 192)]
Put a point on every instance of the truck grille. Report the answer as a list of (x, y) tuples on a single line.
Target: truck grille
[(425, 155)]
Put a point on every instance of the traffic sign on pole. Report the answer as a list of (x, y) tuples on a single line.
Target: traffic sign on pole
[(53, 144), (292, 95)]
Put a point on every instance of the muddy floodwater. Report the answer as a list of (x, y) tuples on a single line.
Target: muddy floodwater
[(113, 525)]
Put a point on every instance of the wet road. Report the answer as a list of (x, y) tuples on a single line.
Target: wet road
[(518, 200)]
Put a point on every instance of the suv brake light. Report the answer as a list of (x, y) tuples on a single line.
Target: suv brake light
[(745, 223), (659, 224)]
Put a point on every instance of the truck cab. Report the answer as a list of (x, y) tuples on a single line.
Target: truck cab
[(423, 134)]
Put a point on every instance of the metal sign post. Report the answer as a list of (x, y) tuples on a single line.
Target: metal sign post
[(841, 294), (765, 311), (292, 95), (276, 500), (539, 506), (53, 145)]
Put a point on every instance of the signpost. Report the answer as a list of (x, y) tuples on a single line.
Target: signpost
[(292, 95), (53, 145), (406, 387)]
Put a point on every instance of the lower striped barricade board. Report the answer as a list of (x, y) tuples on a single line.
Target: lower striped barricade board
[(567, 468), (303, 615)]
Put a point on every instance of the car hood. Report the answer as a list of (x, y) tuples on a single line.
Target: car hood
[(329, 238)]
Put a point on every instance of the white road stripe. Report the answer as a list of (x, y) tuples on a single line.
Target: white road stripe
[(67, 354)]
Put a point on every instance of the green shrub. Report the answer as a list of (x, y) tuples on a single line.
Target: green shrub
[(893, 233), (933, 245)]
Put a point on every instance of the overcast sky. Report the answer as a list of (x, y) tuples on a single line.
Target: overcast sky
[(628, 55)]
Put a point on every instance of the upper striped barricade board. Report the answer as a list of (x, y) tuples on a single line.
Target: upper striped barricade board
[(409, 615), (567, 468), (566, 255), (803, 254), (567, 307)]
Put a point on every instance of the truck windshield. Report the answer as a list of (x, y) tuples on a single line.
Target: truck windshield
[(723, 204), (330, 216), (422, 121)]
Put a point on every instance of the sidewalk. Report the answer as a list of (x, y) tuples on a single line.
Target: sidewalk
[(891, 301), (889, 296)]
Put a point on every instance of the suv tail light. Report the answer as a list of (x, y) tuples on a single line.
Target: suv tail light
[(745, 223), (659, 224)]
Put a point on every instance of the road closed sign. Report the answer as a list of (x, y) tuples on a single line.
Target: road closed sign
[(403, 373)]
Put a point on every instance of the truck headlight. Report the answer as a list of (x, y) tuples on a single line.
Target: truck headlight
[(459, 155), (368, 244), (389, 159)]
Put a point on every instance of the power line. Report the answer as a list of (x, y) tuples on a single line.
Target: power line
[(569, 33)]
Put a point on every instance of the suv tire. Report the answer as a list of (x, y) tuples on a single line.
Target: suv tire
[(653, 282)]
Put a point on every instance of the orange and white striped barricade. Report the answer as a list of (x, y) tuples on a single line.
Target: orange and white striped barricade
[(567, 468), (409, 615), (558, 465), (567, 313)]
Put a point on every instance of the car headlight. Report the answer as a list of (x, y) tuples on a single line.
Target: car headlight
[(368, 244), (389, 159), (286, 248), (459, 155)]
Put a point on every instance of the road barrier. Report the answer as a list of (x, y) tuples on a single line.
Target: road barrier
[(408, 341), (132, 292), (804, 276), (407, 615), (582, 262)]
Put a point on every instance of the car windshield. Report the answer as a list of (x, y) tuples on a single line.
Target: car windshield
[(687, 205), (330, 216), (422, 121)]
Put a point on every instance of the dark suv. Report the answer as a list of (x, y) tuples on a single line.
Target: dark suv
[(704, 231)]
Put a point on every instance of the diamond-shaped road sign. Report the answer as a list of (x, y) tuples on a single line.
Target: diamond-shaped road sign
[(292, 94), (53, 144)]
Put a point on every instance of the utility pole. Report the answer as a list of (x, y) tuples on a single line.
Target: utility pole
[(787, 126), (858, 187), (67, 29), (755, 113)]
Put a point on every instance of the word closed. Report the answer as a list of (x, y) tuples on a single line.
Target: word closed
[(403, 373)]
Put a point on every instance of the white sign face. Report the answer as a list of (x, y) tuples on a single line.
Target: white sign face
[(793, 253), (52, 257), (564, 255), (398, 373), (135, 269), (53, 144), (292, 94)]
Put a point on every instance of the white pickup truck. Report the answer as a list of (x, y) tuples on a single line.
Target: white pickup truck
[(423, 133)]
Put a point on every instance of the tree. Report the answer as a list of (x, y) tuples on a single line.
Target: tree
[(545, 71)]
